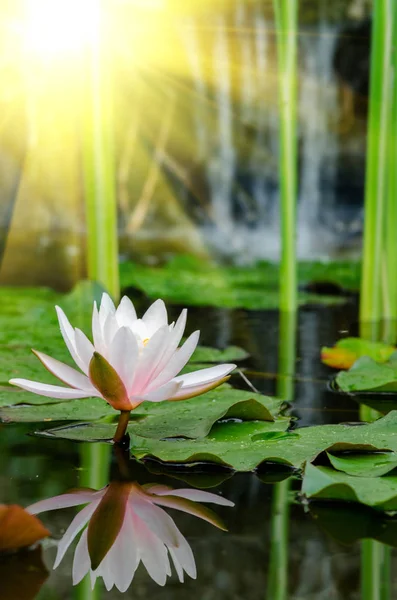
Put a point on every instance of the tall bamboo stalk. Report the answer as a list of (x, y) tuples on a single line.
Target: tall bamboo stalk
[(286, 16), (99, 169), (375, 571), (377, 161)]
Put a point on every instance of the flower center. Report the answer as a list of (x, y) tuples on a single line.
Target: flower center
[(145, 341)]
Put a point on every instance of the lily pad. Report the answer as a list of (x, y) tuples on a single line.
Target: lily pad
[(346, 351), (366, 374), (326, 483), (348, 523), (241, 448), (205, 354), (194, 282), (370, 464), (191, 418)]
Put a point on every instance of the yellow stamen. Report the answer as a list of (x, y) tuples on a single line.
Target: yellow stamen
[(145, 341)]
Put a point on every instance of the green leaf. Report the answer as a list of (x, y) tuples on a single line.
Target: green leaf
[(326, 483), (194, 282), (366, 374), (365, 465), (191, 418), (238, 445), (348, 523), (204, 354), (346, 351)]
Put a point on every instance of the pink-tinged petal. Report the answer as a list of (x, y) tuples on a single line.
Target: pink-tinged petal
[(151, 356), (97, 334), (169, 390), (106, 308), (155, 317), (122, 559), (108, 383), (66, 374), (50, 391), (80, 520), (84, 348), (152, 551), (189, 494), (69, 337), (176, 333), (191, 508), (106, 522), (64, 501), (177, 362), (81, 560), (205, 376), (158, 521), (123, 355), (126, 313), (183, 558), (196, 390)]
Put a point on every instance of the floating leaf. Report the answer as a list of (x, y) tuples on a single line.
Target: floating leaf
[(329, 484), (204, 354), (365, 464), (348, 523), (346, 351), (366, 374), (191, 418), (242, 446)]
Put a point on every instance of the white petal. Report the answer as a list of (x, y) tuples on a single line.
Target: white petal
[(158, 521), (152, 551), (155, 317), (139, 329), (69, 337), (97, 334), (182, 555), (125, 313), (123, 356), (205, 376), (176, 333), (122, 557), (80, 520), (110, 329), (106, 308), (62, 501), (190, 494), (84, 349), (81, 560), (169, 390), (149, 359), (50, 391), (177, 362), (66, 374)]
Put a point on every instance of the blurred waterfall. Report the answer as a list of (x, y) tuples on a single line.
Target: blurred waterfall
[(237, 133)]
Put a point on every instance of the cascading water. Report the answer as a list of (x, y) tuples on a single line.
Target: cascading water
[(241, 162)]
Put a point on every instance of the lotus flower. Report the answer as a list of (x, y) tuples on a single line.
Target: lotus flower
[(125, 526), (130, 361)]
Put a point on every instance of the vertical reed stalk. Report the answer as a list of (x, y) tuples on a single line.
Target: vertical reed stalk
[(286, 17), (377, 160), (278, 568), (99, 169), (375, 571), (391, 219), (94, 464)]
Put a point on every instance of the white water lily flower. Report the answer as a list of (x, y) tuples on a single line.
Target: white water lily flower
[(130, 361), (126, 526)]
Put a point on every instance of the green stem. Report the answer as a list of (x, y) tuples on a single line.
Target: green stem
[(286, 15), (377, 148), (99, 170)]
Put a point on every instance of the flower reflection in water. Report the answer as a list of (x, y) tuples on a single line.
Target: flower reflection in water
[(126, 526)]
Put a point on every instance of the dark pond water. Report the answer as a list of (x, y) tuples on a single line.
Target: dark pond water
[(248, 562)]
